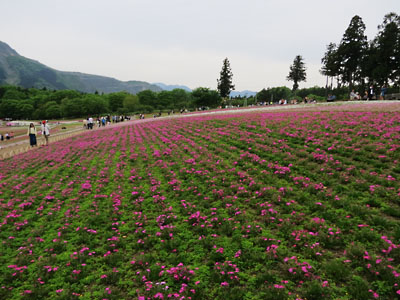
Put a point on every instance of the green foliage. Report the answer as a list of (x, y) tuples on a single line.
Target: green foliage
[(297, 72), (131, 103), (355, 61), (337, 269), (206, 97), (384, 51), (351, 51), (148, 98), (274, 94), (72, 108), (116, 100), (225, 85), (358, 288)]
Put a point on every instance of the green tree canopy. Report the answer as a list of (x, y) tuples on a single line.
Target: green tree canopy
[(225, 85), (385, 51), (95, 104), (330, 63), (131, 103), (205, 97), (116, 100), (352, 50), (181, 98), (297, 72), (148, 97), (274, 94)]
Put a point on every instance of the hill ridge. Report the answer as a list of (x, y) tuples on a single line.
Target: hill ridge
[(26, 72)]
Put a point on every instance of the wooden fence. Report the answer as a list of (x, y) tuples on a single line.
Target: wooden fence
[(24, 146)]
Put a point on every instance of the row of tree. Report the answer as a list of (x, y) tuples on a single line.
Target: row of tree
[(357, 62), (354, 62), (21, 103)]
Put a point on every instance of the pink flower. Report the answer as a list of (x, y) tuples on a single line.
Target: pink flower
[(224, 283)]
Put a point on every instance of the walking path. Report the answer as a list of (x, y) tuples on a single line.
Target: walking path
[(12, 148)]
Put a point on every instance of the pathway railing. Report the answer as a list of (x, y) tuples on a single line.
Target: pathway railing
[(11, 149)]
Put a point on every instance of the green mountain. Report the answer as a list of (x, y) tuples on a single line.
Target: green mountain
[(21, 71)]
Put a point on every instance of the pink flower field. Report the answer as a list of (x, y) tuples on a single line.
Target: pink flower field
[(299, 204)]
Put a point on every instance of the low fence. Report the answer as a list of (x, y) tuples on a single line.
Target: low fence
[(395, 96), (7, 151)]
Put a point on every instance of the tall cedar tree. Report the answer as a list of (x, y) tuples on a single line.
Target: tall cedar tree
[(351, 52), (330, 63), (384, 58), (355, 61), (225, 85), (297, 72)]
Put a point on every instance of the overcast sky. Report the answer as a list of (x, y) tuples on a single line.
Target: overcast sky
[(185, 41)]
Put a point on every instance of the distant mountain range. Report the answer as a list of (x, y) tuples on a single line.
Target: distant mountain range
[(233, 94), (245, 93), (167, 87), (21, 71)]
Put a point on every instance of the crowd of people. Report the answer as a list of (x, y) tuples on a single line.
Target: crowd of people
[(7, 136), (369, 94), (89, 123)]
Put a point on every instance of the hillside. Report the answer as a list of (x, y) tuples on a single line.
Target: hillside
[(167, 87), (18, 70)]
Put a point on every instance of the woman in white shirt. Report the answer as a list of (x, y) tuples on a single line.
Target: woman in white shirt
[(45, 131)]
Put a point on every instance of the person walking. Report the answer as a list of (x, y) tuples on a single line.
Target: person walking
[(32, 135), (371, 93), (45, 131), (383, 92)]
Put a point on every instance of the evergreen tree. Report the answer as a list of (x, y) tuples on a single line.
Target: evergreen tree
[(352, 51), (385, 56), (225, 85), (297, 72), (330, 63)]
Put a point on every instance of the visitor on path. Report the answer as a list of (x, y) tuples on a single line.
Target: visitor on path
[(45, 131), (90, 123), (32, 135), (331, 98), (383, 92), (354, 95), (371, 93)]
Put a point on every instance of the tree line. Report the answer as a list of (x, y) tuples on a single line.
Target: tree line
[(357, 62), (32, 103), (353, 63)]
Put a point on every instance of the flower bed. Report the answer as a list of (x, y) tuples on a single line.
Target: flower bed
[(269, 205)]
